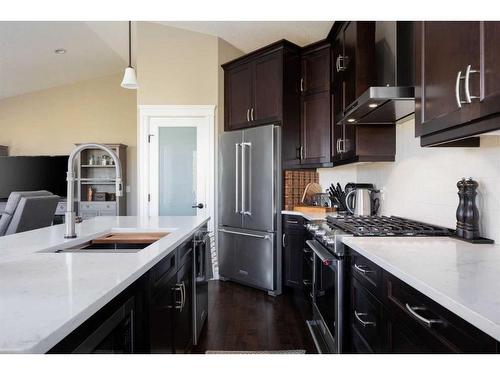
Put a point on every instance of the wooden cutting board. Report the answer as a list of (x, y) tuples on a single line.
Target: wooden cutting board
[(313, 209), (123, 237)]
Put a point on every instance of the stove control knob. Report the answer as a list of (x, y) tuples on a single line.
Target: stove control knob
[(320, 232)]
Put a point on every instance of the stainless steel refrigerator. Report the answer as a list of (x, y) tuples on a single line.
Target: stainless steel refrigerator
[(249, 200)]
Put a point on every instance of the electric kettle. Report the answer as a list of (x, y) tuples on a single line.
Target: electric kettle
[(360, 202)]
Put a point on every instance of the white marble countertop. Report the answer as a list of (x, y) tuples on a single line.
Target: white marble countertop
[(462, 277), (311, 216), (45, 296)]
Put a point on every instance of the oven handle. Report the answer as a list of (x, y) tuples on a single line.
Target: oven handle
[(320, 252)]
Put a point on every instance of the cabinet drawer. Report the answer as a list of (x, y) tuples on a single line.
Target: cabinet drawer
[(293, 222), (451, 333), (366, 317), (184, 253), (367, 273), (167, 266)]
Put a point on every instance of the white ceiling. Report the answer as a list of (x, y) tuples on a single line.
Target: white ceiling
[(98, 48), (251, 35), (28, 62)]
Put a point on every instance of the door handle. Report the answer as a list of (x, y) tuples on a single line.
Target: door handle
[(237, 173), (428, 322), (178, 304), (264, 237), (248, 114), (457, 89), (302, 85), (364, 323), (244, 208), (251, 114), (199, 205), (283, 240), (468, 97)]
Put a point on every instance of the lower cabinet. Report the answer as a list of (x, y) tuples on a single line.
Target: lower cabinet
[(386, 315), (293, 242), (153, 315)]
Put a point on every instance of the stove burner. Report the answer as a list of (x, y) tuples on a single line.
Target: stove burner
[(385, 226)]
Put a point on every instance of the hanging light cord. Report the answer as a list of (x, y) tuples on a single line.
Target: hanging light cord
[(130, 44)]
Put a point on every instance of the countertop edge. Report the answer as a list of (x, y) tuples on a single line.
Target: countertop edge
[(470, 316), (79, 318)]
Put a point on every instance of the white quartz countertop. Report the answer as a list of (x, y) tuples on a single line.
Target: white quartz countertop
[(44, 296), (311, 216), (462, 277)]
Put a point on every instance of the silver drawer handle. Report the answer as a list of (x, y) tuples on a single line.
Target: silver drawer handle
[(362, 270), (292, 221), (364, 323), (427, 322)]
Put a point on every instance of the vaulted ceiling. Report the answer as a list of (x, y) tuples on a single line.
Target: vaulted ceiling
[(28, 62)]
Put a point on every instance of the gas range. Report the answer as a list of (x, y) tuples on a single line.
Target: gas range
[(331, 232)]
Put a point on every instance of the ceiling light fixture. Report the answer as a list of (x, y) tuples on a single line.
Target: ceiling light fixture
[(60, 51), (129, 78)]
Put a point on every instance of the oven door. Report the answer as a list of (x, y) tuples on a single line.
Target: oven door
[(327, 298)]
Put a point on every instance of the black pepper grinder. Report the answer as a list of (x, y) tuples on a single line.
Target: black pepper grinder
[(471, 213), (461, 207)]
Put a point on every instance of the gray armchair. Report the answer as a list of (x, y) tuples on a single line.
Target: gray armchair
[(27, 210)]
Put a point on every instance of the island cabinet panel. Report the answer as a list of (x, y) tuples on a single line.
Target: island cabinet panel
[(457, 91), (389, 316), (153, 315)]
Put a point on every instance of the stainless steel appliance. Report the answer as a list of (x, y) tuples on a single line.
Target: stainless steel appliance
[(360, 201), (392, 97), (202, 272), (330, 264), (250, 193)]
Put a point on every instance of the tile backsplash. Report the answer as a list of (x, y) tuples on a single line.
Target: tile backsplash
[(421, 183)]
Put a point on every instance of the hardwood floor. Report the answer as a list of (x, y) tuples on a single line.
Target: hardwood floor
[(245, 319)]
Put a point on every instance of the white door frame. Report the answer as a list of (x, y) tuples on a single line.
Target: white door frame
[(146, 113)]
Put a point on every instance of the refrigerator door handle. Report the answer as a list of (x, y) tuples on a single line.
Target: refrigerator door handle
[(245, 185), (237, 173), (264, 237)]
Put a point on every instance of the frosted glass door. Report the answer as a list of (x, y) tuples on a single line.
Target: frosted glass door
[(177, 171), (179, 156)]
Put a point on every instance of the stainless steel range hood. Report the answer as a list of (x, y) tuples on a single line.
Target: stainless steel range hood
[(393, 96)]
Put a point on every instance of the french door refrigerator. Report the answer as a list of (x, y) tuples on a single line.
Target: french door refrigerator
[(249, 200)]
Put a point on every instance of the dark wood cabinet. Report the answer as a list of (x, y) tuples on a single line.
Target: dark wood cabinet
[(315, 104), (293, 242), (263, 87), (457, 80), (389, 316), (239, 96)]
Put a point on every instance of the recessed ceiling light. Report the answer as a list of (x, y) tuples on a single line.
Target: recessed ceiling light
[(373, 105), (351, 120), (60, 51)]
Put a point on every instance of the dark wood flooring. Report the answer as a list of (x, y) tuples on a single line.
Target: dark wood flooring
[(245, 319)]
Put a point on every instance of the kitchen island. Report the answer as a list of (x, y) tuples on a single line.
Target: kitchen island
[(45, 295)]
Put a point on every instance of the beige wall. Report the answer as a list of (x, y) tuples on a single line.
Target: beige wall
[(175, 66), (50, 122)]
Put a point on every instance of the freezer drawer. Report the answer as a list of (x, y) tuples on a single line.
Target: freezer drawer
[(247, 257)]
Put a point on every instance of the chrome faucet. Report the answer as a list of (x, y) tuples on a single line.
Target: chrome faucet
[(70, 216)]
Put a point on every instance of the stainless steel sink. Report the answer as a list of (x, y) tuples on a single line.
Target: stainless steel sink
[(93, 248)]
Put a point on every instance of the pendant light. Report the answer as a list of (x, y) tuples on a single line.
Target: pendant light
[(129, 78)]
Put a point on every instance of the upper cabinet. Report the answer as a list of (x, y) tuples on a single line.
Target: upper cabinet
[(315, 107), (262, 88), (457, 90)]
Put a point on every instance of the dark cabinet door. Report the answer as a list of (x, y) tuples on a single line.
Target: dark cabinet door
[(316, 71), (348, 142), (239, 96), (444, 50), (293, 245), (337, 97), (268, 83), (489, 71), (183, 321), (161, 318), (315, 128), (348, 64)]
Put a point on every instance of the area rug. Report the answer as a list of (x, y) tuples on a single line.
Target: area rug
[(299, 351)]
